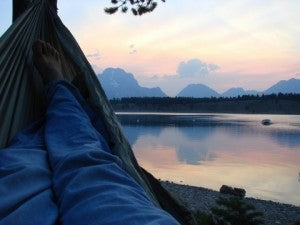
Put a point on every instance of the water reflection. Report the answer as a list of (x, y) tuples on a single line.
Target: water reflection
[(289, 139), (211, 150)]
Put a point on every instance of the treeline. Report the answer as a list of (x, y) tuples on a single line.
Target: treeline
[(190, 100), (274, 103)]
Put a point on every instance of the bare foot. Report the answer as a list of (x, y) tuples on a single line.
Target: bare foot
[(47, 61)]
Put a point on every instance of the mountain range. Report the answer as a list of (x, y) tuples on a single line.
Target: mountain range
[(117, 83)]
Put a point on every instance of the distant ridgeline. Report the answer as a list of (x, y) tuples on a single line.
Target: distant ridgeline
[(273, 104), (128, 95)]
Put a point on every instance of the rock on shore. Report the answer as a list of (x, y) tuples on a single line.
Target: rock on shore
[(198, 198)]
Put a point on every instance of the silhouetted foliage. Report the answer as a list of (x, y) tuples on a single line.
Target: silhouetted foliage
[(138, 7), (190, 100), (274, 103), (230, 211), (187, 100), (203, 218), (235, 211)]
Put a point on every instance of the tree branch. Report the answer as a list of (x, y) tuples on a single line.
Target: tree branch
[(138, 7)]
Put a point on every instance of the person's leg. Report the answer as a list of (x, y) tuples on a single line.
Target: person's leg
[(90, 184), (26, 197)]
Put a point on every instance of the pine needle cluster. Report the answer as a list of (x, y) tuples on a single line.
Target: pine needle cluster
[(138, 7)]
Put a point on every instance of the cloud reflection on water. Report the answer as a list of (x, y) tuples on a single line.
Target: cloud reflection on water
[(264, 160)]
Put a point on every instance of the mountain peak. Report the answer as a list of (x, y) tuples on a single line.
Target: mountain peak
[(285, 86), (198, 91), (117, 83), (114, 69), (238, 91)]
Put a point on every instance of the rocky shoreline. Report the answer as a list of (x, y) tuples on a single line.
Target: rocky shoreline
[(198, 198)]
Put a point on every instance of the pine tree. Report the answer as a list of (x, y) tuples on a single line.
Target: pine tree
[(235, 211)]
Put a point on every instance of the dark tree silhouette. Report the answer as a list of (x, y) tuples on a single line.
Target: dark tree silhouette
[(274, 103), (235, 211), (138, 7)]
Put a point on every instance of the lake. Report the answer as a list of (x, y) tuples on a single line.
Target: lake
[(210, 150)]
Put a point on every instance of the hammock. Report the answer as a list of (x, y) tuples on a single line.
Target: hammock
[(21, 91)]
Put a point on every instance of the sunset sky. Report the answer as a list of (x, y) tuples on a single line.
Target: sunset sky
[(221, 43)]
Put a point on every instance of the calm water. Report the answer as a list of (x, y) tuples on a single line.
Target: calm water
[(213, 149)]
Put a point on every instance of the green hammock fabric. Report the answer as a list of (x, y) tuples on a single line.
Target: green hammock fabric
[(21, 92)]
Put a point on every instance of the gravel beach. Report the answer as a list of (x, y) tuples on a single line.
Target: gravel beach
[(198, 198)]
